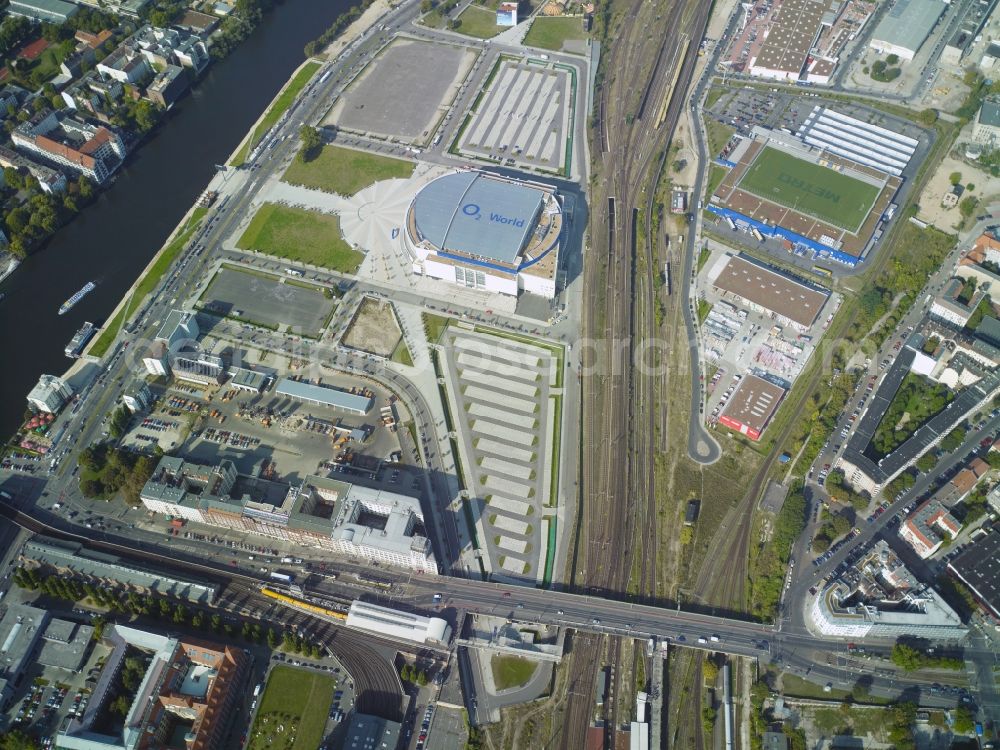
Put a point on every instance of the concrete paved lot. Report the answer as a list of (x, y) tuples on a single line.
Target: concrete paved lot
[(300, 439), (502, 390), (270, 301), (404, 90), (524, 117)]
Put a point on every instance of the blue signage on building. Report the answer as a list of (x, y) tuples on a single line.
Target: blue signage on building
[(472, 210)]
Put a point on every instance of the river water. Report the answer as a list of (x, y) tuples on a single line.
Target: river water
[(112, 240)]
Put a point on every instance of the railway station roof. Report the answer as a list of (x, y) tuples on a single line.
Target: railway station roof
[(398, 624)]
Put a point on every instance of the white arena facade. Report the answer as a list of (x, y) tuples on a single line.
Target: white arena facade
[(484, 231)]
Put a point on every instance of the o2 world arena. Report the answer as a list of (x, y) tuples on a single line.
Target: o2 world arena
[(483, 231)]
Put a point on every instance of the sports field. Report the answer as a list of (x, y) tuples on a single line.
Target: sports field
[(820, 192)]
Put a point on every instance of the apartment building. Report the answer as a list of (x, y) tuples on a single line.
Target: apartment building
[(67, 141), (926, 528)]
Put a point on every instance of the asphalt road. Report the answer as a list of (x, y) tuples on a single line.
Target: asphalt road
[(702, 446)]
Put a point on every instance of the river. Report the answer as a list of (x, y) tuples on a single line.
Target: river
[(112, 240)]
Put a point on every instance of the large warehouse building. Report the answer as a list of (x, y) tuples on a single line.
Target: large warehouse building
[(324, 395), (788, 300), (483, 231), (785, 51), (904, 29), (752, 406)]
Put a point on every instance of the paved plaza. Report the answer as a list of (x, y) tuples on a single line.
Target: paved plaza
[(404, 91), (524, 117), (371, 221)]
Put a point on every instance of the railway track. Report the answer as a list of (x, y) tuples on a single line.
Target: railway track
[(723, 580), (638, 108), (376, 682)]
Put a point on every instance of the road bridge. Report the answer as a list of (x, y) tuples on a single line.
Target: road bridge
[(792, 648)]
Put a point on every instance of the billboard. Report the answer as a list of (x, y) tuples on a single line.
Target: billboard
[(507, 14)]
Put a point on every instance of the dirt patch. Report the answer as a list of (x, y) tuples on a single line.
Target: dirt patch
[(374, 328), (984, 187)]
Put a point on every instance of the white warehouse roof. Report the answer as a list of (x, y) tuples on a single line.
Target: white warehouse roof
[(396, 624), (324, 395)]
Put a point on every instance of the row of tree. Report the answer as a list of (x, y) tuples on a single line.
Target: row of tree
[(910, 658), (161, 608), (412, 674), (344, 20)]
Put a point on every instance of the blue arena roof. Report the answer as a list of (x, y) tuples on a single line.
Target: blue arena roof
[(478, 215)]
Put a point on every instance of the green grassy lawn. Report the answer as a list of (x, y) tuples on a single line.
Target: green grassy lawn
[(147, 283), (299, 701), (716, 175), (550, 33), (797, 687), (808, 188), (434, 326), (402, 354), (47, 65), (556, 447), (478, 22), (300, 235), (278, 107), (433, 20), (345, 171), (703, 255), (704, 308), (511, 671), (714, 94), (717, 135)]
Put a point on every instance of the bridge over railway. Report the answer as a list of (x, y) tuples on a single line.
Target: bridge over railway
[(369, 656)]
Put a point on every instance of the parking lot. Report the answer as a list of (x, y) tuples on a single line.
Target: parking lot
[(524, 118), (745, 108), (504, 416), (278, 302), (404, 91)]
